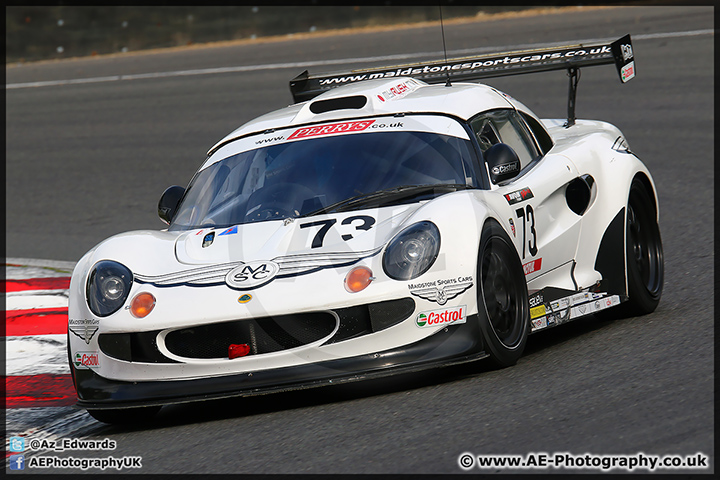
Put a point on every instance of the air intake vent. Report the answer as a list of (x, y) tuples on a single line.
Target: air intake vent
[(341, 103), (263, 335)]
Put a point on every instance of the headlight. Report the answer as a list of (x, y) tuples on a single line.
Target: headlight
[(412, 252), (108, 287)]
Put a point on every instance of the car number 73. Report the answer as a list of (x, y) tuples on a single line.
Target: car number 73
[(527, 216)]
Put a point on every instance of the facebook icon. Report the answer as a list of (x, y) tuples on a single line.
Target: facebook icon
[(17, 462)]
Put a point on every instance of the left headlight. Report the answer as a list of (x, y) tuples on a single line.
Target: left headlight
[(412, 252), (108, 287)]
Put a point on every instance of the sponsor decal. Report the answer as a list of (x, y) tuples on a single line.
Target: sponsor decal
[(538, 323), (447, 316), (440, 291), (208, 239), (244, 298), (84, 328), (538, 311), (627, 72), (512, 227), (519, 196), (536, 299), (329, 129), (86, 360), (627, 52), (532, 266), (269, 140), (560, 304), (551, 319), (229, 231), (252, 274), (199, 232), (504, 168), (398, 91), (597, 305), (579, 298), (502, 62), (375, 126)]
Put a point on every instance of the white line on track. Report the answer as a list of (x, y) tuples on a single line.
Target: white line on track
[(340, 61), (33, 354), (33, 299), (46, 354)]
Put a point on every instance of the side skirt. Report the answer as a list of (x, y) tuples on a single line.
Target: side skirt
[(552, 306)]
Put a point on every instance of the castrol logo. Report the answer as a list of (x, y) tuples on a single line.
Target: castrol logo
[(86, 360), (446, 316)]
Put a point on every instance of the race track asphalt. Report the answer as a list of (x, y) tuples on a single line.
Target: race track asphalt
[(87, 160)]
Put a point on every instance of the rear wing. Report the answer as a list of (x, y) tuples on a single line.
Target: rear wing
[(569, 57)]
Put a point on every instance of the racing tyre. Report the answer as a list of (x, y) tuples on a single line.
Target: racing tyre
[(126, 416), (503, 305), (644, 253)]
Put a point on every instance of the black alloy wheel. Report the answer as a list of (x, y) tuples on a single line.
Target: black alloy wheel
[(644, 252), (503, 305)]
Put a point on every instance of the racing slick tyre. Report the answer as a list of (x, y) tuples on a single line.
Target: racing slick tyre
[(644, 253), (125, 415), (503, 305)]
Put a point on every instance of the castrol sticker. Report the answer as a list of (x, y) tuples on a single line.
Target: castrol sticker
[(445, 316), (86, 360)]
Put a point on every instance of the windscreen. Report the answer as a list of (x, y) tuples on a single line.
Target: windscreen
[(297, 178)]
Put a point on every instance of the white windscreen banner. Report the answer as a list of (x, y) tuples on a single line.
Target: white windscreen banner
[(439, 124)]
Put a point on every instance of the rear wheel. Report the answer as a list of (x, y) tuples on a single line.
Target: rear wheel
[(644, 253), (503, 306), (125, 415)]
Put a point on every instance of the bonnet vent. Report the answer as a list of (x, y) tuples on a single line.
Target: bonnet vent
[(340, 103)]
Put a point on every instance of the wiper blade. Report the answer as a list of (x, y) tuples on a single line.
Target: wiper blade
[(399, 192)]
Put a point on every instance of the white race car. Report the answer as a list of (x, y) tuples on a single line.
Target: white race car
[(382, 224)]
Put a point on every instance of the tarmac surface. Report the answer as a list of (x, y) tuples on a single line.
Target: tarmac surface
[(89, 153)]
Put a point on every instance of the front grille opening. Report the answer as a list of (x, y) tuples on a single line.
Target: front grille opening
[(263, 335), (133, 347), (364, 319)]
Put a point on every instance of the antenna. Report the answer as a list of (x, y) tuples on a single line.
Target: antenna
[(442, 30)]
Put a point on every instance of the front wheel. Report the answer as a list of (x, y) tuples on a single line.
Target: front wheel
[(503, 305), (644, 253)]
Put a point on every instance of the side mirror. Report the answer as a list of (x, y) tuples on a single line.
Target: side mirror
[(502, 162), (167, 206)]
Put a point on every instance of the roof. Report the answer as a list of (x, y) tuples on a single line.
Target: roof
[(380, 97)]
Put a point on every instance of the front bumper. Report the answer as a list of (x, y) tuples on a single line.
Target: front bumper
[(453, 344)]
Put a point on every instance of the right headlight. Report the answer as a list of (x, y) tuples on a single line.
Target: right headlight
[(412, 252), (108, 287)]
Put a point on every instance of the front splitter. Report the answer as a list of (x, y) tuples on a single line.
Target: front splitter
[(452, 345)]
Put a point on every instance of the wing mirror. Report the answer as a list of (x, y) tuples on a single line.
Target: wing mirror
[(167, 206), (502, 162)]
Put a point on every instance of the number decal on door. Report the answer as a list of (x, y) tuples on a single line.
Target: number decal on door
[(527, 216)]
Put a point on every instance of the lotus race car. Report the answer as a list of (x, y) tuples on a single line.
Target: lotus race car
[(390, 220)]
